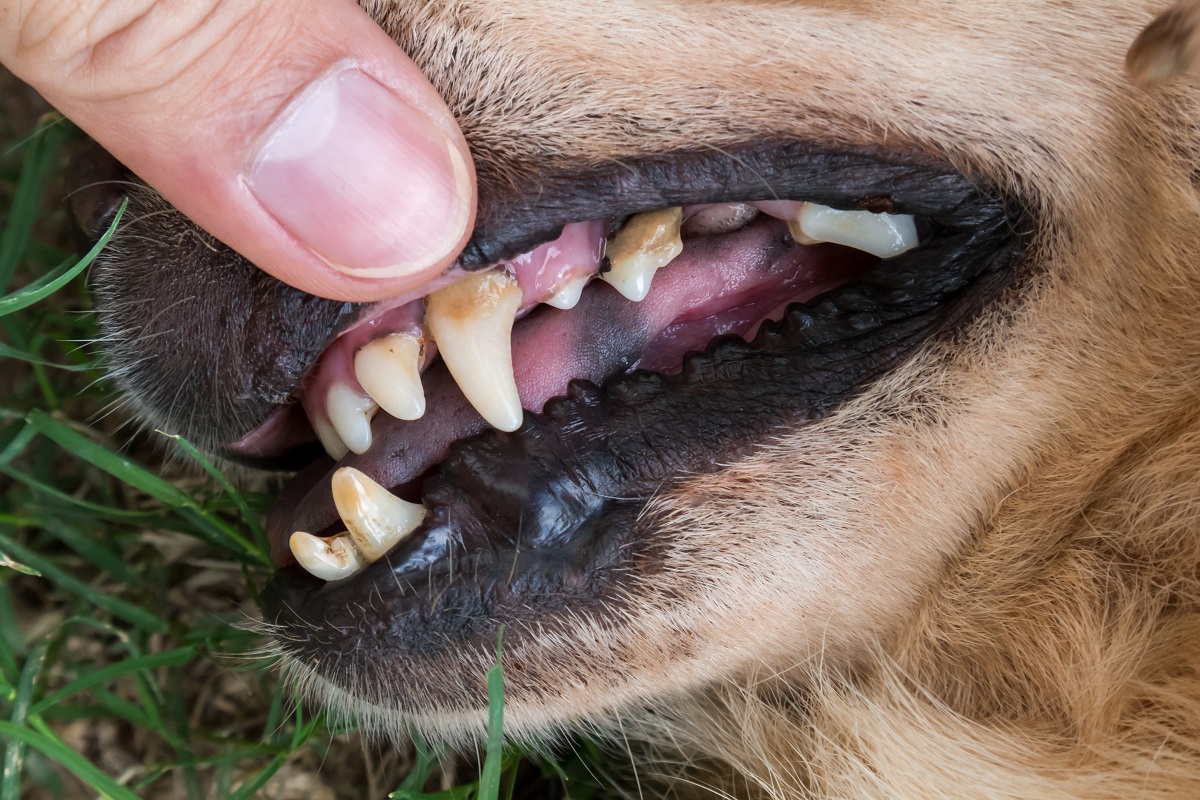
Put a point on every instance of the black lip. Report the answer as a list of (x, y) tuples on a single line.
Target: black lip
[(548, 519), (514, 218)]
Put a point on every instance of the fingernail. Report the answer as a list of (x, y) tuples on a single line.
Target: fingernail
[(364, 180)]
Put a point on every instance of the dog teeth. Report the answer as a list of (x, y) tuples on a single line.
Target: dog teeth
[(568, 296), (330, 559), (647, 243), (375, 518), (472, 323), (329, 438), (883, 235), (350, 413), (389, 369)]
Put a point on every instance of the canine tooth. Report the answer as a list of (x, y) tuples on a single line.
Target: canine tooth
[(389, 369), (883, 235), (647, 243), (472, 323), (329, 439), (329, 559), (375, 518), (568, 296), (350, 414)]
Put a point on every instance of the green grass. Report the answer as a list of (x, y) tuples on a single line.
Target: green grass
[(128, 568)]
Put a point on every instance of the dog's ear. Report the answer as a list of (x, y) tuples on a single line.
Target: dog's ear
[(1168, 47)]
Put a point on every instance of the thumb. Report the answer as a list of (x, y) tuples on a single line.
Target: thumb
[(296, 132)]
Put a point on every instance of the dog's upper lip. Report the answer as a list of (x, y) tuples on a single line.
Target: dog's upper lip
[(514, 217)]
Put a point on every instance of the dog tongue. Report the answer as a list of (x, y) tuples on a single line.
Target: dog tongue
[(717, 285)]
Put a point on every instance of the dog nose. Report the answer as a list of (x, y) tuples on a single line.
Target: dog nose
[(96, 185)]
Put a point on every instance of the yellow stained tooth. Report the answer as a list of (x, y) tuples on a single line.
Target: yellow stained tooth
[(375, 518), (350, 413), (389, 370), (647, 243), (471, 321), (330, 559), (883, 235)]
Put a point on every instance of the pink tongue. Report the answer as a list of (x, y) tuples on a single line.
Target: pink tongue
[(721, 284)]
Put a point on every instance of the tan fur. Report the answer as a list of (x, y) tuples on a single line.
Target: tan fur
[(982, 577)]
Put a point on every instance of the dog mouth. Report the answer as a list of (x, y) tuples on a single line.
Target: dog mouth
[(603, 336), (493, 442)]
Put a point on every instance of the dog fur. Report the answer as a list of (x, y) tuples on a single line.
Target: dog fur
[(979, 578)]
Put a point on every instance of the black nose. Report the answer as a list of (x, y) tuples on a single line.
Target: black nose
[(96, 185)]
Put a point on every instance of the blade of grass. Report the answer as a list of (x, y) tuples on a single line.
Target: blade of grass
[(302, 735), (91, 550), (21, 355), (118, 608), (167, 658), (418, 776), (40, 159), (67, 503), (48, 284), (52, 747), (14, 754), (248, 515), (121, 468), (489, 778), (14, 439)]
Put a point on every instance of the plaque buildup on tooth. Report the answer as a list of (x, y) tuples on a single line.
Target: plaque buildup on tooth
[(330, 559), (471, 321), (374, 517), (389, 370), (645, 244)]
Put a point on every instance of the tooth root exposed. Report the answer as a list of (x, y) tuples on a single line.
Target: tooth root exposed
[(389, 370), (472, 324), (375, 518), (350, 413), (330, 559), (646, 244), (883, 235), (568, 296), (329, 438)]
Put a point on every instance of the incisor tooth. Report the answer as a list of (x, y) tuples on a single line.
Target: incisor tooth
[(883, 235), (568, 296), (389, 369), (375, 518), (472, 323), (350, 413), (329, 438), (647, 243), (330, 559)]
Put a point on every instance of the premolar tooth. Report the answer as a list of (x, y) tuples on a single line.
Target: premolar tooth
[(472, 324), (350, 414), (329, 438), (375, 518), (389, 370), (883, 235), (568, 296), (647, 243), (330, 559)]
